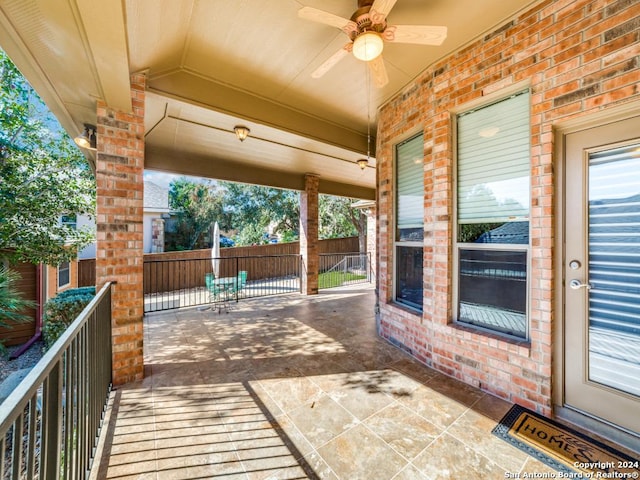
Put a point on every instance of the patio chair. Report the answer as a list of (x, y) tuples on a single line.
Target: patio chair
[(217, 292), (241, 282), (238, 285)]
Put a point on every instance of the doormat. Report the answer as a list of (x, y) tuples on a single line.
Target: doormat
[(563, 448)]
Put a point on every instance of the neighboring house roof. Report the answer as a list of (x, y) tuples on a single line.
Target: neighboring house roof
[(510, 232), (156, 198)]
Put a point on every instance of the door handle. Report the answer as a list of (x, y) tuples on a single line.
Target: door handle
[(576, 285)]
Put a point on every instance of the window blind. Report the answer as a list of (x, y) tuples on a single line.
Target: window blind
[(494, 162), (614, 239), (410, 183)]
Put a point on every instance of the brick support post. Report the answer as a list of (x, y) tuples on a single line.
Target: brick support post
[(119, 254), (309, 235), (372, 238)]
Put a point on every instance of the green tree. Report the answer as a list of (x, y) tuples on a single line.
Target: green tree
[(43, 177), (254, 208), (338, 219), (197, 206), (12, 305)]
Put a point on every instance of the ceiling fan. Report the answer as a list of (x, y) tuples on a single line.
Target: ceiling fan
[(367, 31)]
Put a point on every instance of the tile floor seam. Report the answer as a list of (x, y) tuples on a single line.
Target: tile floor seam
[(275, 418), (328, 393), (427, 420), (226, 429), (504, 470), (316, 452), (302, 455), (408, 460), (153, 411), (358, 421), (440, 435), (405, 468), (478, 452), (374, 434)]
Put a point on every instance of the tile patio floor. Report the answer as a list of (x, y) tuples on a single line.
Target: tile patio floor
[(297, 387)]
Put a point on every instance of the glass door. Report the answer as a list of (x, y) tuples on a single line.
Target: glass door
[(602, 273)]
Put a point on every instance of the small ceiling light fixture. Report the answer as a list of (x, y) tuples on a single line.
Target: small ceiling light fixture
[(87, 139), (362, 163), (367, 46), (242, 132)]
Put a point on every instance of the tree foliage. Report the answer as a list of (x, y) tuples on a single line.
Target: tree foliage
[(197, 206), (338, 219), (12, 304), (255, 208), (43, 176)]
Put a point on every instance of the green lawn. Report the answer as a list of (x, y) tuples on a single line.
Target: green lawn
[(335, 279)]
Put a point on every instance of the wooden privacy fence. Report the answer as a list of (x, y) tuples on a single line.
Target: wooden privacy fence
[(87, 272), (178, 274), (19, 332), (171, 271), (332, 245)]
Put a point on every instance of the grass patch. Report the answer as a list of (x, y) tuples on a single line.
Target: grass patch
[(335, 279)]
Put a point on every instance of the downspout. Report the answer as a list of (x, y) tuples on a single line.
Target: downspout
[(39, 312)]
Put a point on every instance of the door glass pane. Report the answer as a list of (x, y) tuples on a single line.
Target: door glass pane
[(614, 268)]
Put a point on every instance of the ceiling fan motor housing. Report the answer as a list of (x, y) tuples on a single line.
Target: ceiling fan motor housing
[(365, 23)]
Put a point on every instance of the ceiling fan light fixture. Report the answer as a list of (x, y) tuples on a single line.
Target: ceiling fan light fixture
[(242, 132), (362, 163), (367, 46)]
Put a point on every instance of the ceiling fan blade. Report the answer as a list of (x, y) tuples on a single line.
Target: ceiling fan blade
[(380, 9), (331, 61), (419, 34), (379, 72), (320, 16)]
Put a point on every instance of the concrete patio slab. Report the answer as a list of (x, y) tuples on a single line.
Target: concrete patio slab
[(295, 387)]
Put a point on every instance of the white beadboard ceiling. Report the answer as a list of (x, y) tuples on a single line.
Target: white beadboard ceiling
[(214, 64)]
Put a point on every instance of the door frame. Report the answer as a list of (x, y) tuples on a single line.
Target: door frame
[(560, 131)]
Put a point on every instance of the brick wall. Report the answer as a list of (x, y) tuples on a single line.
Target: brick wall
[(372, 226), (309, 235), (578, 57), (119, 255)]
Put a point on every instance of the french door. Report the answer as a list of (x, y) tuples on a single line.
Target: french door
[(602, 273)]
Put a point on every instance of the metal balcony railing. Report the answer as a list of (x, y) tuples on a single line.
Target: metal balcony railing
[(176, 283), (50, 423), (338, 269)]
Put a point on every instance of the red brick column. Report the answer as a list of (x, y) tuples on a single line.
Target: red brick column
[(309, 235), (372, 238), (119, 254)]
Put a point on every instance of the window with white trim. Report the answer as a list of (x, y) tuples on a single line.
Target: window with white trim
[(70, 220), (64, 274), (492, 224), (409, 226)]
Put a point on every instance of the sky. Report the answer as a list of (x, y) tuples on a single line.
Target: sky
[(163, 179)]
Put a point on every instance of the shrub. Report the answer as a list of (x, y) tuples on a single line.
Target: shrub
[(62, 310)]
